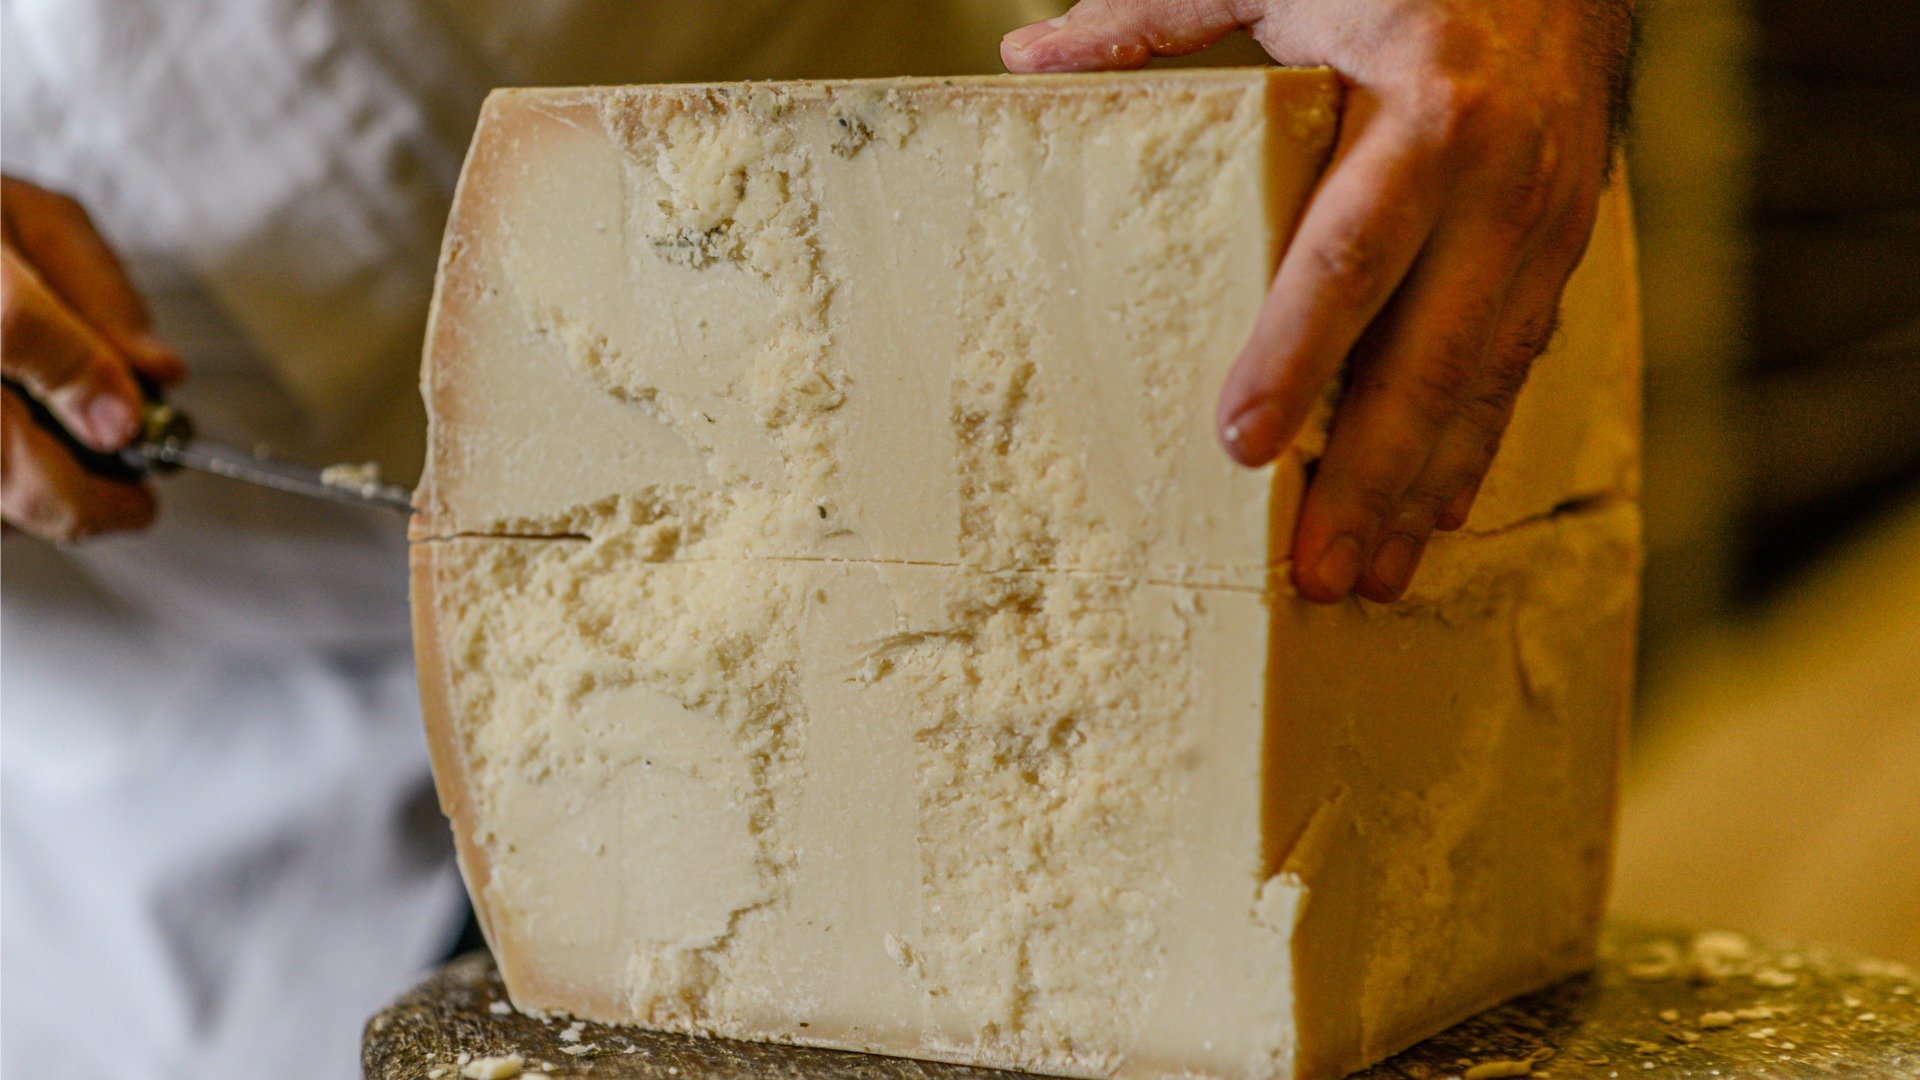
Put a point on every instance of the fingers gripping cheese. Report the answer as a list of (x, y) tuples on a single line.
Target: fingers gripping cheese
[(838, 625)]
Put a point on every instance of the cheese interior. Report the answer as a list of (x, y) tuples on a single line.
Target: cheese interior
[(838, 624)]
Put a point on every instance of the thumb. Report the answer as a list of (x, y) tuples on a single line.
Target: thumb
[(1105, 35)]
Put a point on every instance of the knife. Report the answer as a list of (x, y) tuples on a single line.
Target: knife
[(168, 441)]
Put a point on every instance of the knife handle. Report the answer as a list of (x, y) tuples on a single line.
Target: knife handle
[(160, 424)]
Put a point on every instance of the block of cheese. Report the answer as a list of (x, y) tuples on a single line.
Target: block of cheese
[(838, 625)]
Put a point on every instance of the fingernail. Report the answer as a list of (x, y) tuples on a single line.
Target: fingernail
[(1393, 563), (113, 421), (1020, 39), (155, 352), (1339, 565), (152, 346), (1253, 435)]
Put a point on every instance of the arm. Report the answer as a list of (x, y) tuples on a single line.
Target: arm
[(1475, 143)]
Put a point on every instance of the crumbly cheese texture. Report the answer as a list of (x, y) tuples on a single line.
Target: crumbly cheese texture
[(838, 624)]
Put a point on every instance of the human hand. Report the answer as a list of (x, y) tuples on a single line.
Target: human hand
[(73, 333), (1473, 148)]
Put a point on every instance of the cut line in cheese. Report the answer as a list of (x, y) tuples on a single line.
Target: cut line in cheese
[(838, 624)]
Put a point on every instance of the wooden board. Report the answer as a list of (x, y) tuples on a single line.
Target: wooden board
[(1663, 1003)]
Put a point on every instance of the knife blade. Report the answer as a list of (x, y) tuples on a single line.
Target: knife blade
[(168, 441), (337, 483)]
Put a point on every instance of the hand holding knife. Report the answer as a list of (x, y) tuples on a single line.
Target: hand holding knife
[(168, 441), (82, 370)]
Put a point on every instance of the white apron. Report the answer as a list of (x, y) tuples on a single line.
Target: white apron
[(221, 850)]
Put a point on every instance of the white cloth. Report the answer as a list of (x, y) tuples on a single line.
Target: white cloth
[(220, 849)]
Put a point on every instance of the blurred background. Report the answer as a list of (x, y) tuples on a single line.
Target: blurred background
[(1775, 784)]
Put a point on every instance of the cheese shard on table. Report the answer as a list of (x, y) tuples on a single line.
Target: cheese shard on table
[(838, 624)]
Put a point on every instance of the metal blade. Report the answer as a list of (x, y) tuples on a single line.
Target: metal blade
[(238, 464)]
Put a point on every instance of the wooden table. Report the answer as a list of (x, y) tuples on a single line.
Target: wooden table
[(1662, 1004)]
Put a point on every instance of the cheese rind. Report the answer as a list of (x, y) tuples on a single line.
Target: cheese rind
[(838, 625)]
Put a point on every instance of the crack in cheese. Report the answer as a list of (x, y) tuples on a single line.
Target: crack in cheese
[(838, 625)]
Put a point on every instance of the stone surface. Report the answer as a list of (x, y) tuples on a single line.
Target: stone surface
[(1663, 1003)]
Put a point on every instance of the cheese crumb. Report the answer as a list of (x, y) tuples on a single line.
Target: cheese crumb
[(1716, 1019), (1718, 954), (363, 478), (1493, 1070), (1774, 978), (1721, 945), (1662, 961), (493, 1068), (899, 950), (572, 1033), (500, 1008)]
